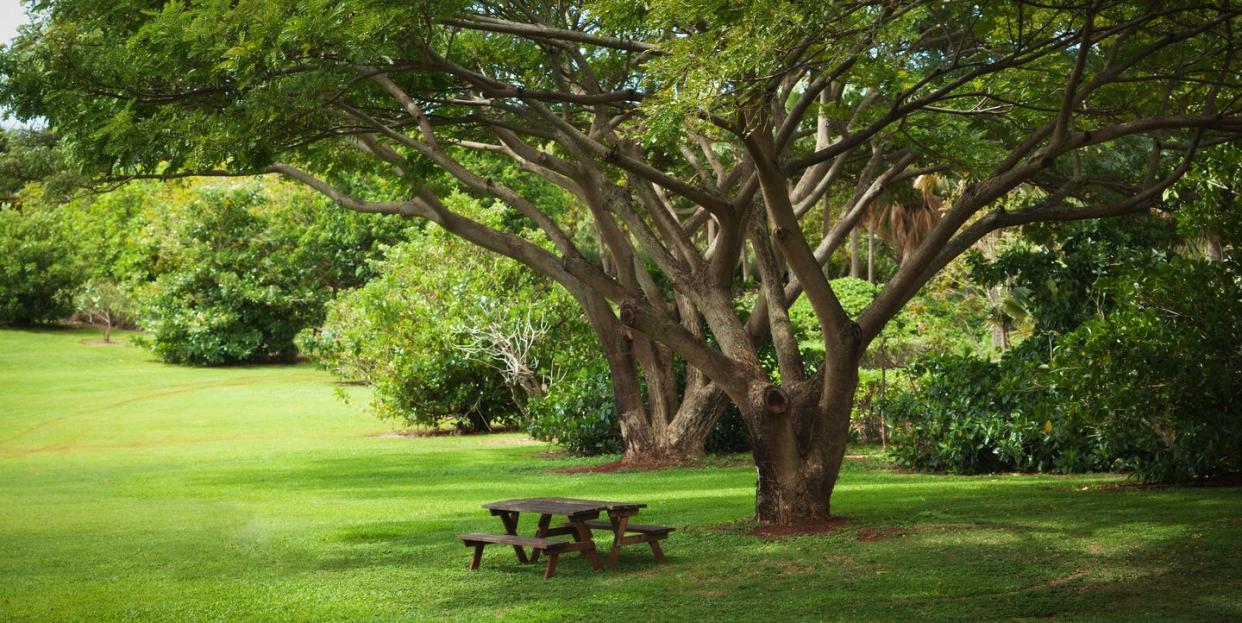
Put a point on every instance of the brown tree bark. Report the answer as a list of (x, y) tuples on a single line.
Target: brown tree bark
[(799, 437), (855, 256), (672, 425)]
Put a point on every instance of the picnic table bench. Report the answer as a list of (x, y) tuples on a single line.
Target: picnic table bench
[(582, 517)]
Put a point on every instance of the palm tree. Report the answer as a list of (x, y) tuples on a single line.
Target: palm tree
[(904, 225)]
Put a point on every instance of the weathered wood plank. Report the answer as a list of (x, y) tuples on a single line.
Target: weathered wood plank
[(511, 522), (634, 527), (560, 506), (475, 538)]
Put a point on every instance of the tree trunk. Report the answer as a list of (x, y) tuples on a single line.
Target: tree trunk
[(685, 437), (870, 257), (798, 451), (855, 258), (670, 426)]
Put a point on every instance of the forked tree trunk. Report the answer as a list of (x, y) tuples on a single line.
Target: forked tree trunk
[(685, 437), (672, 424), (652, 437), (798, 451)]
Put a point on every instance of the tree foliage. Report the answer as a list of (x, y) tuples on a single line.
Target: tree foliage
[(405, 331), (239, 270), (106, 305), (1132, 364), (39, 272), (693, 134)]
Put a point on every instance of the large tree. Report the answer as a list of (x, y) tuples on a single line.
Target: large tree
[(697, 136)]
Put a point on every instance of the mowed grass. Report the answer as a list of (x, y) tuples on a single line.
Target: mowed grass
[(131, 490)]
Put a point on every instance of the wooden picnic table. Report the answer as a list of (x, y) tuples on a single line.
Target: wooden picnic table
[(579, 515)]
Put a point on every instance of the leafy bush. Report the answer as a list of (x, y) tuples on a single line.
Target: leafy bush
[(39, 271), (406, 331), (1160, 378), (396, 333), (224, 296), (969, 415), (1144, 380), (242, 269), (579, 414)]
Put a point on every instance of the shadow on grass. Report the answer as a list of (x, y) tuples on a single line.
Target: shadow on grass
[(963, 548), (44, 329), (1176, 578)]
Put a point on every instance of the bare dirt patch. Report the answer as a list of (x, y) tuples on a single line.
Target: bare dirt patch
[(789, 567), (819, 527), (101, 342), (615, 466), (627, 465), (450, 432), (485, 440), (401, 434), (1122, 486)]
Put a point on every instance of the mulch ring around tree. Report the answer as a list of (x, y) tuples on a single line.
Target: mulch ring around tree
[(628, 465), (804, 529), (614, 466)]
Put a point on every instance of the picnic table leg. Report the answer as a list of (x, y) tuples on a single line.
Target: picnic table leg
[(582, 534), (618, 533), (544, 520), (478, 556), (547, 573), (510, 520), (655, 550)]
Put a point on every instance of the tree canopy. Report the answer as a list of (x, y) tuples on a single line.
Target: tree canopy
[(694, 137)]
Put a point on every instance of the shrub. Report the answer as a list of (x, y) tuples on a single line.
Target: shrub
[(579, 414), (241, 269), (1146, 381), (407, 331), (395, 333), (39, 271), (1159, 379), (968, 415), (225, 294)]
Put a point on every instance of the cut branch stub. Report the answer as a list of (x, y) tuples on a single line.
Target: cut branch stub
[(775, 400), (629, 313)]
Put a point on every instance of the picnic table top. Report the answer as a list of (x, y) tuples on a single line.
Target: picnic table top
[(560, 506)]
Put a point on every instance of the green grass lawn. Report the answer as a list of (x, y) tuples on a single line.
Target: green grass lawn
[(139, 491)]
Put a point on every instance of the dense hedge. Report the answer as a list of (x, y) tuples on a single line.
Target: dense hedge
[(241, 269), (39, 271), (1133, 365)]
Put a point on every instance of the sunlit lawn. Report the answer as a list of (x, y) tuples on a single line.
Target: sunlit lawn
[(139, 491)]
